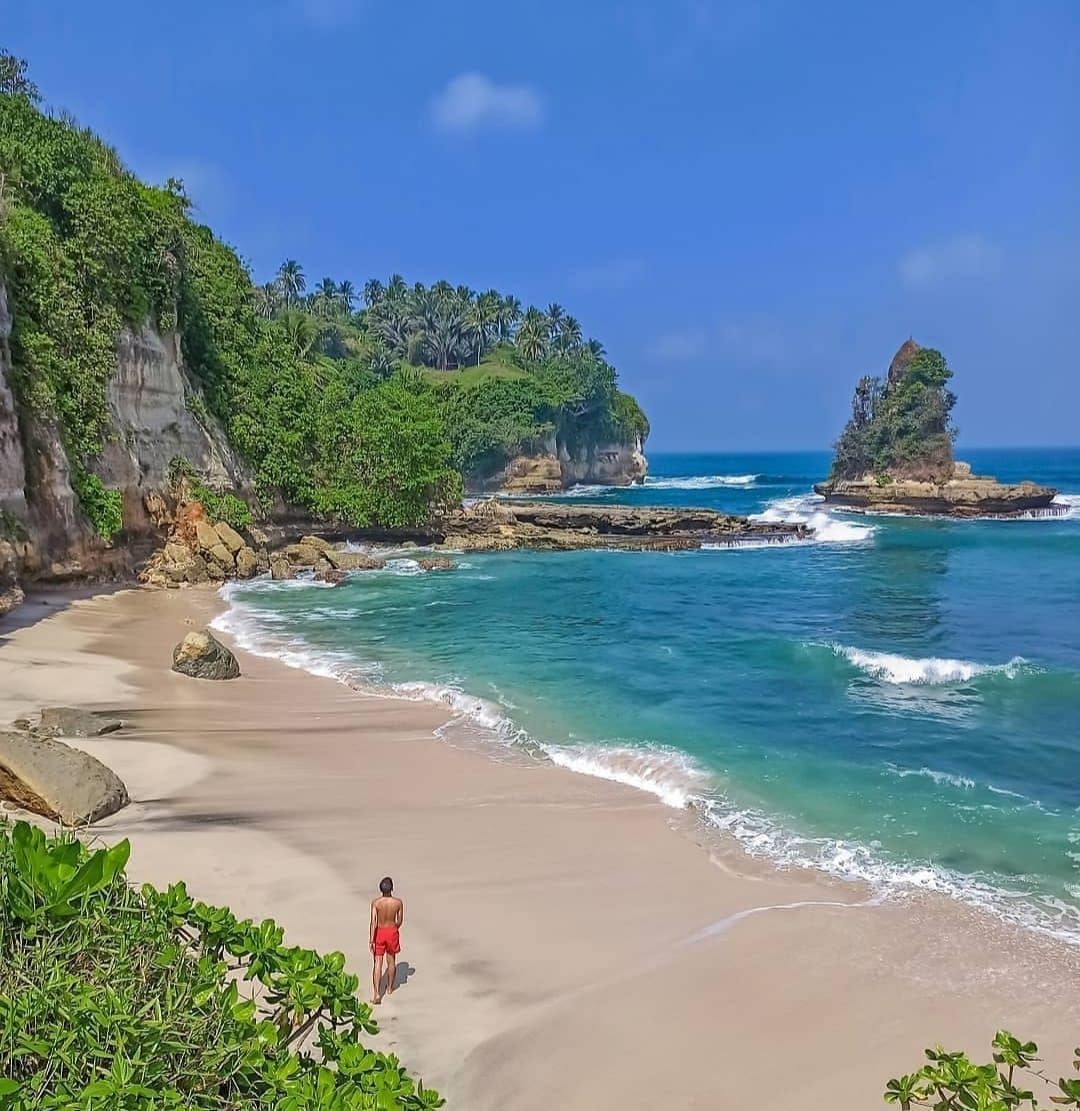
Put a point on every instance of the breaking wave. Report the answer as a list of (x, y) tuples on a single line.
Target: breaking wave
[(930, 670), (806, 509), (672, 776), (701, 482)]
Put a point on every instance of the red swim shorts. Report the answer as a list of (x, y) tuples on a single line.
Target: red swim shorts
[(387, 940)]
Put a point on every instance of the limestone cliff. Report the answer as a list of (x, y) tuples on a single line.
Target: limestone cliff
[(557, 466), (151, 420)]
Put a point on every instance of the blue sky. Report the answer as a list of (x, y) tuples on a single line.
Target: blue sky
[(750, 204)]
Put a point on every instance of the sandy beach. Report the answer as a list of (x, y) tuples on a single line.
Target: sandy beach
[(569, 942)]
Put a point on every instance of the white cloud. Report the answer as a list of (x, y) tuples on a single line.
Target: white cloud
[(472, 101), (963, 256), (680, 346)]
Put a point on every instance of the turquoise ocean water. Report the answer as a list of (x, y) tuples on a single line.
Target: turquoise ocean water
[(898, 701)]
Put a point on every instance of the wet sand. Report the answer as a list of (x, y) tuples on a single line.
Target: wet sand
[(568, 942)]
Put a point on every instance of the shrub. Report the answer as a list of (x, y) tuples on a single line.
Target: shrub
[(951, 1080), (112, 997)]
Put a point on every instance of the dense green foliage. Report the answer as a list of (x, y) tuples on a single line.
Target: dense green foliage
[(951, 1081), (900, 426), (317, 391), (137, 1000)]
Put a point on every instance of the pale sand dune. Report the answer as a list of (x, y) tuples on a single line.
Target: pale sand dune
[(568, 942)]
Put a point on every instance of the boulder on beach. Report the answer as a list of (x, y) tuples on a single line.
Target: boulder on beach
[(317, 542), (68, 721), (355, 561), (229, 537), (435, 563), (48, 777), (331, 575), (247, 563), (302, 555), (201, 656), (281, 568), (205, 535)]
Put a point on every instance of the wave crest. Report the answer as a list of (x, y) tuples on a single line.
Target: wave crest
[(929, 670), (807, 509)]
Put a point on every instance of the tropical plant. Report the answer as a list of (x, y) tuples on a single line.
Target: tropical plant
[(112, 997), (951, 1082), (291, 282)]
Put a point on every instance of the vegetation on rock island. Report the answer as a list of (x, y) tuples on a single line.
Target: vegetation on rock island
[(900, 426), (368, 406), (112, 997)]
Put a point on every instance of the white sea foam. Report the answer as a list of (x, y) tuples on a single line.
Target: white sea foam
[(807, 509), (664, 772), (930, 670), (668, 774), (942, 778), (700, 482), (1072, 502)]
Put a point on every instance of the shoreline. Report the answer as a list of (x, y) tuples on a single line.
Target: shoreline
[(286, 795)]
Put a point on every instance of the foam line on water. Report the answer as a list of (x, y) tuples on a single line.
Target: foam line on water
[(722, 925)]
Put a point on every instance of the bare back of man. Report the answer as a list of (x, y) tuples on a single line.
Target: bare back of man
[(384, 935)]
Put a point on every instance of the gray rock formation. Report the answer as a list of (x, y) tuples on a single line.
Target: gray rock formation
[(201, 656), (50, 778), (500, 526), (962, 495), (555, 467), (68, 721)]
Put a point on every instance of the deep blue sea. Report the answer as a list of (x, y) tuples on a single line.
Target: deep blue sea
[(898, 701)]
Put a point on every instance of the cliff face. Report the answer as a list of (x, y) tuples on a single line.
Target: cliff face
[(150, 422), (556, 467)]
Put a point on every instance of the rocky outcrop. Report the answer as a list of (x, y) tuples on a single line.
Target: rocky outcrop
[(199, 550), (201, 656), (69, 721), (435, 563), (555, 466), (962, 495), (492, 525), (47, 777), (152, 406), (11, 593)]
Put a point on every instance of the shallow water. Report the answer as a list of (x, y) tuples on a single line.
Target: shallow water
[(898, 701)]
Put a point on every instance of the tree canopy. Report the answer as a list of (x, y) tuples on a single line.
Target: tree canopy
[(364, 404), (900, 425)]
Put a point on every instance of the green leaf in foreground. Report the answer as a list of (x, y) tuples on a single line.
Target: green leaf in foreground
[(112, 997)]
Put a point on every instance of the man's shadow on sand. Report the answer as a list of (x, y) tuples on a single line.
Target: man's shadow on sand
[(403, 974)]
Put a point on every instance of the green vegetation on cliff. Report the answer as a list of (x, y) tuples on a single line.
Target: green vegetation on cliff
[(349, 410), (900, 425), (112, 997)]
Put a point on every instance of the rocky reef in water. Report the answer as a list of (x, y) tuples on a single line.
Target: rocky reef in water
[(896, 452), (499, 525)]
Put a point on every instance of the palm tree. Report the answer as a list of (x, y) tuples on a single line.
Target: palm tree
[(324, 300), (374, 291), (346, 295), (555, 314), (396, 288), (482, 318), (533, 335), (290, 280), (596, 349), (509, 315), (301, 331), (267, 299), (569, 335)]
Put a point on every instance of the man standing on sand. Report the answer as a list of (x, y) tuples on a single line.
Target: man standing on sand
[(387, 914)]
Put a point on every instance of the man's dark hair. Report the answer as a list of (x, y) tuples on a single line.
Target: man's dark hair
[(386, 885)]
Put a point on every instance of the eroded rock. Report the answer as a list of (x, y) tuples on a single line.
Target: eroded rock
[(69, 721), (355, 561), (247, 563), (47, 777), (229, 537), (281, 568), (435, 563), (202, 656)]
